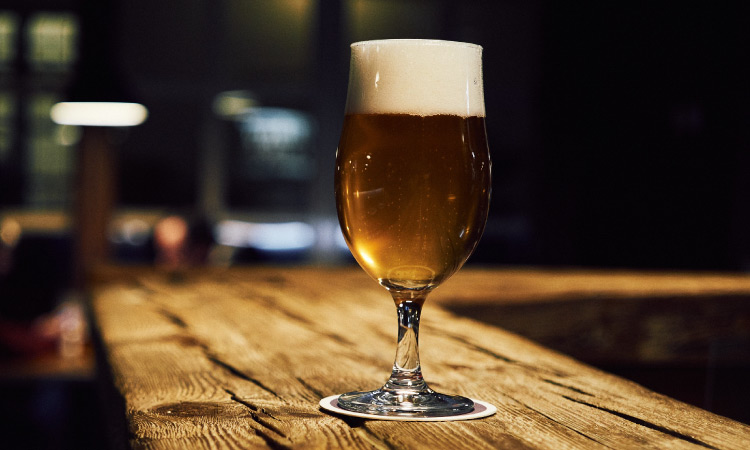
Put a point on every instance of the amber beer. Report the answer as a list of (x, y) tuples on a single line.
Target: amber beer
[(413, 168)]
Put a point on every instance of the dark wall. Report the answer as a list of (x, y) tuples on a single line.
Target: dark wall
[(645, 113)]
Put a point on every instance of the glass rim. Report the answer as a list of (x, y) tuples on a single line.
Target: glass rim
[(417, 42)]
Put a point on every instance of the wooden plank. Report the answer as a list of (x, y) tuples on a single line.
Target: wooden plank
[(526, 285), (239, 359), (615, 318)]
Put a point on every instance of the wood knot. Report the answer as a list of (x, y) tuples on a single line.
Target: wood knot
[(194, 409)]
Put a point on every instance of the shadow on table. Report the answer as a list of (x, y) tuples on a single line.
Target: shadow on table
[(694, 349)]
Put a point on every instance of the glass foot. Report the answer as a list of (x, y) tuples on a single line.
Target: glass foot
[(423, 403)]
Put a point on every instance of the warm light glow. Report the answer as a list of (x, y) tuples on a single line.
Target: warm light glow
[(10, 232), (99, 114)]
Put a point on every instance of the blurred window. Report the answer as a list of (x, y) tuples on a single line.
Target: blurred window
[(7, 121), (8, 38), (52, 41), (273, 167), (50, 155), (38, 51)]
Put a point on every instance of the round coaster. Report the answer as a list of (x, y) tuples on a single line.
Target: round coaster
[(481, 409)]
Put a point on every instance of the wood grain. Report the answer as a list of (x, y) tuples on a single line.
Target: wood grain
[(239, 358), (615, 318)]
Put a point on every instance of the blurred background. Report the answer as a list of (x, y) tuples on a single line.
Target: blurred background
[(618, 131)]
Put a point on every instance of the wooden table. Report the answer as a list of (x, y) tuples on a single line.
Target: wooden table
[(239, 358)]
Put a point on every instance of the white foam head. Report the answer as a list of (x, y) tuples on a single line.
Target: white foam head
[(418, 77)]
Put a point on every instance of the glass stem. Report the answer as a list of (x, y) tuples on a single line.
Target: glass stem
[(406, 377)]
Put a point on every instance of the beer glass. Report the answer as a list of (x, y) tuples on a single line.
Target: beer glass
[(412, 190)]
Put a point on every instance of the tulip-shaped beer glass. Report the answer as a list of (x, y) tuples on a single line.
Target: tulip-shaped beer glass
[(412, 191)]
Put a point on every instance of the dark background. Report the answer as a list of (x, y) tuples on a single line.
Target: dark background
[(619, 130)]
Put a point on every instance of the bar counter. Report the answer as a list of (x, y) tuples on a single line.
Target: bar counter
[(240, 357)]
